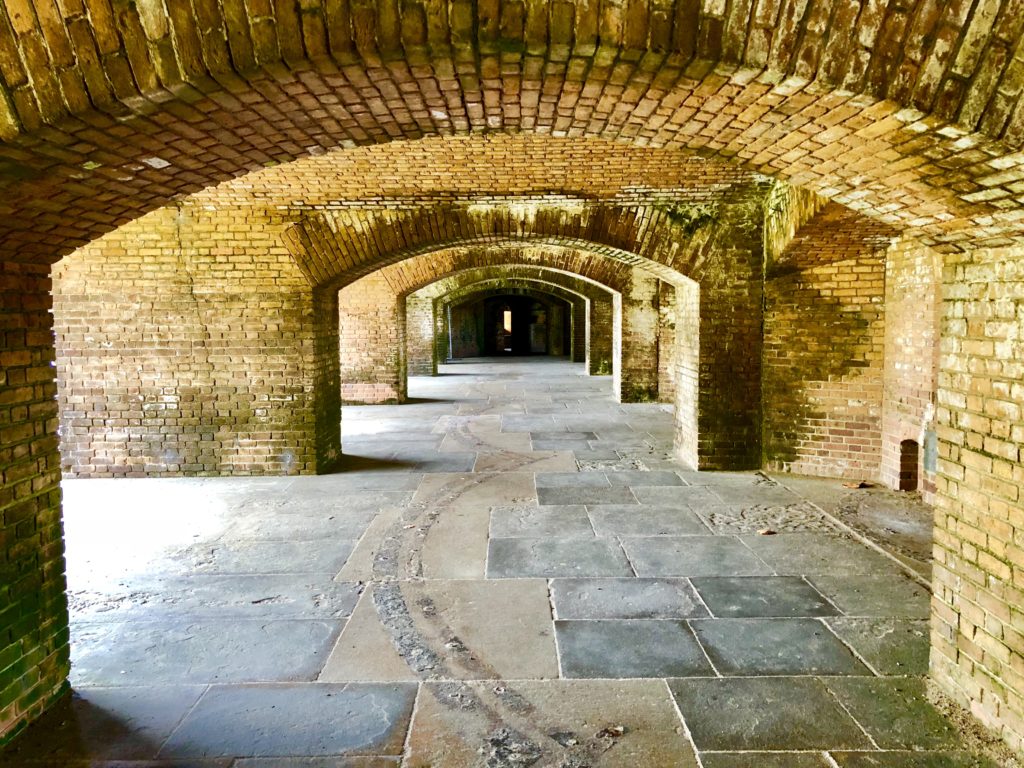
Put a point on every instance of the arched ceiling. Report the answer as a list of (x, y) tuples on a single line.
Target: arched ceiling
[(908, 110), (454, 286)]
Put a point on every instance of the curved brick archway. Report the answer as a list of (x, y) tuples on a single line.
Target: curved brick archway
[(592, 313), (102, 115), (457, 314)]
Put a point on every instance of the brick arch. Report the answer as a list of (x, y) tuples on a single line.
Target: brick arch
[(107, 116), (335, 247), (592, 306), (574, 304)]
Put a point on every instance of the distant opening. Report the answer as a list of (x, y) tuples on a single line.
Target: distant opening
[(910, 453)]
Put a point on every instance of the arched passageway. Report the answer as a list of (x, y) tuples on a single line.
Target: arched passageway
[(902, 140)]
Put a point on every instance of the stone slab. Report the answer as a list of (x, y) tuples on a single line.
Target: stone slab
[(296, 720), (568, 522), (890, 646), (775, 647), (552, 558), (629, 598), (211, 651), (693, 556), (799, 554), (774, 596), (609, 649), (766, 713), (556, 722), (876, 594), (645, 520)]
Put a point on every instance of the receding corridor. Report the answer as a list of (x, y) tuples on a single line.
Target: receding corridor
[(510, 570)]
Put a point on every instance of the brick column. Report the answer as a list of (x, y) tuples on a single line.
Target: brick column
[(636, 369), (33, 607), (419, 329), (686, 357), (667, 363), (579, 330), (372, 342), (600, 332)]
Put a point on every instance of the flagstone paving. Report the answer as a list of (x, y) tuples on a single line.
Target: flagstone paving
[(510, 570)]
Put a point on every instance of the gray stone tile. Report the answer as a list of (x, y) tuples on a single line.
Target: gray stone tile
[(572, 479), (639, 478), (561, 445), (876, 595), (693, 556), (763, 760), (217, 596), (895, 712), (628, 598), (951, 759), (272, 556), (547, 558), (645, 520), (555, 434), (558, 522), (295, 721), (755, 494), (775, 647), (694, 497), (104, 724), (799, 554), (211, 651), (628, 649), (890, 646), (341, 525), (585, 495), (774, 596), (769, 713)]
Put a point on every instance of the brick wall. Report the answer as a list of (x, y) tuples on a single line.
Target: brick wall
[(371, 332), (668, 354), (978, 574), (33, 613), (599, 352), (913, 306), (420, 349), (636, 341), (687, 378), (184, 346), (824, 342)]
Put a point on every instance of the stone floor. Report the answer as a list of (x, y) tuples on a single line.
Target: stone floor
[(511, 571)]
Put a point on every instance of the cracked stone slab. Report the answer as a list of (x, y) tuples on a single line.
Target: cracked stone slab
[(769, 597), (525, 461), (765, 714), (216, 596), (693, 556), (629, 649), (891, 646), (477, 490), (625, 599), (813, 554), (572, 480), (296, 720), (801, 516), (775, 647), (210, 651), (876, 594), (764, 760), (104, 724), (896, 712), (566, 522), (895, 759), (273, 556), (551, 558), (693, 496), (585, 495), (556, 722), (485, 629), (645, 520)]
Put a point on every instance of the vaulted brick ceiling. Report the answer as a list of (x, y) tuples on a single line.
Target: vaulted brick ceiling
[(908, 111)]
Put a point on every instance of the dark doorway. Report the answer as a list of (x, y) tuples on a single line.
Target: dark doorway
[(515, 325), (909, 457)]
